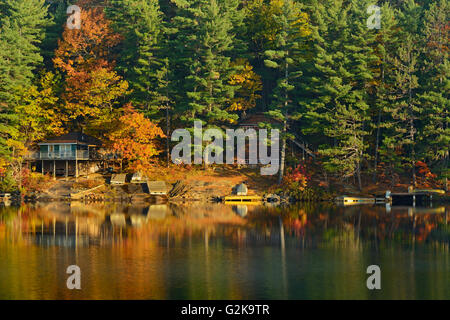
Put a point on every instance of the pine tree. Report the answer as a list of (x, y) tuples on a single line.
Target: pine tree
[(435, 97), (201, 58), (403, 109), (337, 101), (21, 31), (58, 11), (293, 26), (386, 41), (141, 59)]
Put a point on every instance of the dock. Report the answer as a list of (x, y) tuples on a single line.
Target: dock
[(411, 199), (350, 200), (5, 198), (243, 199)]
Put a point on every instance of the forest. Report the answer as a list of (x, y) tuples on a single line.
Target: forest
[(371, 103)]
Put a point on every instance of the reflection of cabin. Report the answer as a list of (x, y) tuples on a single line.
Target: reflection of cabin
[(72, 154)]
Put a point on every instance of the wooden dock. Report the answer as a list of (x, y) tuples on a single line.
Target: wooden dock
[(5, 198), (243, 199), (350, 200), (411, 199)]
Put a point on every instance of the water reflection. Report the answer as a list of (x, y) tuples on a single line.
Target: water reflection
[(314, 251)]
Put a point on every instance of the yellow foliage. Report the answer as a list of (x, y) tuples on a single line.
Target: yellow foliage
[(39, 111), (263, 26), (250, 84)]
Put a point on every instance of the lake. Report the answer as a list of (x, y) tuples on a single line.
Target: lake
[(310, 251)]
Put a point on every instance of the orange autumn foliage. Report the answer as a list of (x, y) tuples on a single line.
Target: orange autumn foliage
[(88, 45), (425, 177), (84, 56), (135, 139)]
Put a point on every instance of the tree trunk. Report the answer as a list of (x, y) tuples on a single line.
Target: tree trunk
[(168, 134), (377, 145), (20, 177), (283, 137), (446, 167), (283, 157), (358, 173)]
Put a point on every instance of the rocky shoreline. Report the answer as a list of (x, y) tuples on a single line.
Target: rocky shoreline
[(199, 191)]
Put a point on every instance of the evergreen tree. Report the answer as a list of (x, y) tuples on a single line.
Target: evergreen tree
[(293, 26), (386, 42), (22, 25), (141, 59), (435, 137), (338, 109), (21, 32), (202, 61), (403, 109), (58, 12)]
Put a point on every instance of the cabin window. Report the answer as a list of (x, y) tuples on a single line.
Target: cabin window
[(66, 149), (44, 148), (53, 148)]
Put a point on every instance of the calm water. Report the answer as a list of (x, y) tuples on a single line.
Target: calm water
[(223, 252)]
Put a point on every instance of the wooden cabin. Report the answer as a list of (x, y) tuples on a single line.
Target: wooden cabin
[(72, 154)]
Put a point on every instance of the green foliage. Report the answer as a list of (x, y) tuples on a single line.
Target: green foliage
[(366, 101), (201, 59), (435, 137), (22, 25), (141, 59), (7, 183)]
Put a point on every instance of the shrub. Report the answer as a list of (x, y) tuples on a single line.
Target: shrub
[(34, 181), (7, 182)]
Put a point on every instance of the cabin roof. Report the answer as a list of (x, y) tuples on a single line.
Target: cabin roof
[(118, 178), (74, 138), (157, 187)]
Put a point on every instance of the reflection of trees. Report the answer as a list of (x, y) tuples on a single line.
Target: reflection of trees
[(303, 225), (318, 223), (200, 252)]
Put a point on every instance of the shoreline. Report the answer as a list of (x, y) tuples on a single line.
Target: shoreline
[(200, 186)]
